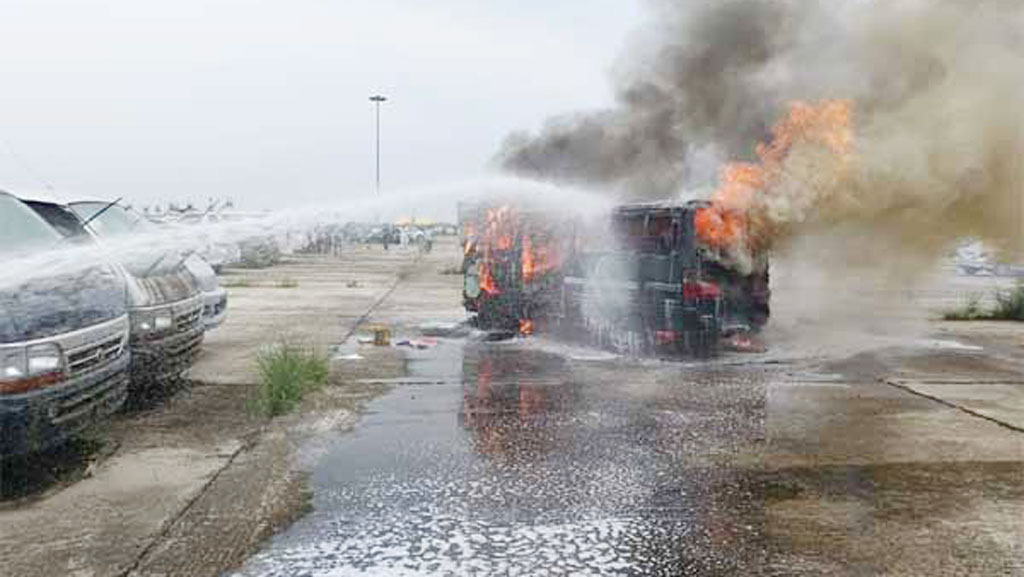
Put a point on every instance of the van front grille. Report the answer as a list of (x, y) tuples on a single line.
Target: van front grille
[(189, 320), (95, 356)]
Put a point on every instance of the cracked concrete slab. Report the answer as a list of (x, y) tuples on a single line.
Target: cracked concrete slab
[(195, 484), (1001, 402)]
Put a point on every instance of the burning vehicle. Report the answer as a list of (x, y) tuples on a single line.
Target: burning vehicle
[(166, 302), (512, 265), (659, 279), (63, 342)]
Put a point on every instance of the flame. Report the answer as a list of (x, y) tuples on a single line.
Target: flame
[(736, 217), (501, 227), (529, 262), (487, 283), (525, 326), (469, 239), (505, 237), (538, 258), (719, 227), (497, 233)]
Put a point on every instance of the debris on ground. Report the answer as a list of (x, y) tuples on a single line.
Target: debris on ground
[(446, 330), (420, 344)]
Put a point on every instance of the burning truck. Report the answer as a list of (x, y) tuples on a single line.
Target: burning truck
[(662, 279)]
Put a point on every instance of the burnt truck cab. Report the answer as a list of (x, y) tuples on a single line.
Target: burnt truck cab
[(676, 293), (63, 340), (165, 301), (512, 261)]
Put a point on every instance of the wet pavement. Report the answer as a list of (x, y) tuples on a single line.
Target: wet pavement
[(508, 459)]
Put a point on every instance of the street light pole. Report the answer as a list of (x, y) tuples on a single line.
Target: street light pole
[(377, 99)]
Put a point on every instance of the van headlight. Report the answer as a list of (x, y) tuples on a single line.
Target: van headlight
[(26, 368), (13, 364), (152, 323), (44, 360)]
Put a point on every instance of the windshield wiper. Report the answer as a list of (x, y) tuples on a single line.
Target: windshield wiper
[(101, 211)]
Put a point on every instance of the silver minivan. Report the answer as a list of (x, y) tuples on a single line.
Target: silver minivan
[(64, 351), (165, 300)]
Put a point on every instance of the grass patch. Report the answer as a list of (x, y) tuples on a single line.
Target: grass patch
[(970, 310), (236, 283), (286, 283), (287, 372), (1010, 304), (1009, 307)]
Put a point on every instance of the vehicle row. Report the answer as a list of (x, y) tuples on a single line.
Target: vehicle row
[(79, 342)]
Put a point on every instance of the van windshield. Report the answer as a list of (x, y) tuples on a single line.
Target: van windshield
[(114, 221), (62, 220), (21, 229)]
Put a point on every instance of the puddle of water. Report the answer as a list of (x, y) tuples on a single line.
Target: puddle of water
[(503, 459)]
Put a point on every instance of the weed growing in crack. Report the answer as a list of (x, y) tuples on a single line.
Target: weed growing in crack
[(1009, 307), (287, 372)]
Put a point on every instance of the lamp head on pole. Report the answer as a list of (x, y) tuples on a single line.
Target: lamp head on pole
[(378, 98)]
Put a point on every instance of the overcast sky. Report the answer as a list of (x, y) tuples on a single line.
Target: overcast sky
[(266, 101)]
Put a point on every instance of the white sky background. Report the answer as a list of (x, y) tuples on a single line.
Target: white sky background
[(266, 101)]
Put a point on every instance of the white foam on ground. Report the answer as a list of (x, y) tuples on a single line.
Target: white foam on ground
[(526, 547), (948, 345)]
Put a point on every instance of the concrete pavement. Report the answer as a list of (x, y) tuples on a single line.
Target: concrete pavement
[(190, 487), (894, 451)]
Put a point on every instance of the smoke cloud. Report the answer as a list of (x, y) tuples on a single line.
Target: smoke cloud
[(696, 86), (938, 134)]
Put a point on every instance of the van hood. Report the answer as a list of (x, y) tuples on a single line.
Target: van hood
[(60, 304), (161, 288)]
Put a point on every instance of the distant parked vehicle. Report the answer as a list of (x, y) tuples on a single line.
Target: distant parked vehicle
[(218, 253), (165, 300), (63, 341), (256, 250)]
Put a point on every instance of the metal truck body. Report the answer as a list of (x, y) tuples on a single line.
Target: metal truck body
[(642, 283), (657, 289)]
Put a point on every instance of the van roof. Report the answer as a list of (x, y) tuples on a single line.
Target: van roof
[(54, 197)]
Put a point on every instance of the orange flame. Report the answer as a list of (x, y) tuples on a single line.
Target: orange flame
[(529, 263), (733, 216), (538, 258), (501, 227), (469, 239), (487, 283), (497, 234), (525, 326), (719, 227)]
